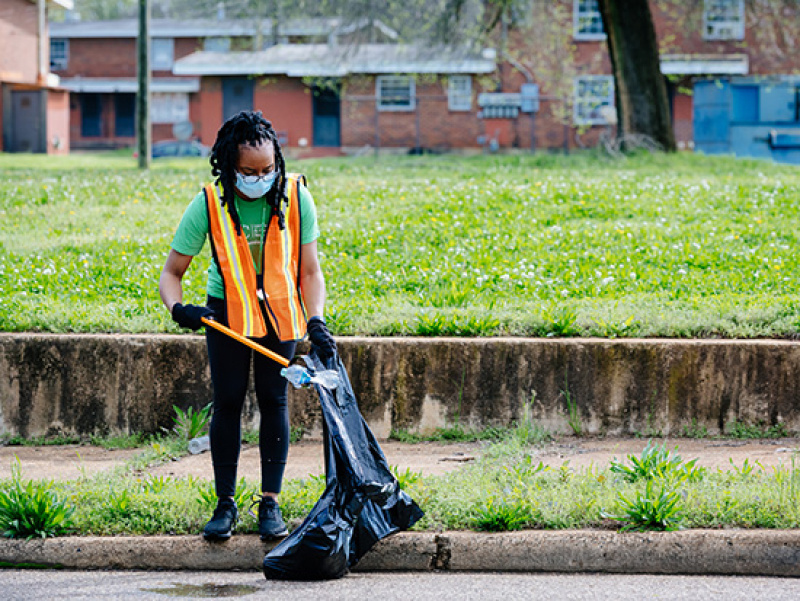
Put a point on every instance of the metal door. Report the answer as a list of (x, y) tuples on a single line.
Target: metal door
[(778, 103), (125, 115), (237, 95), (327, 117), (91, 115), (28, 122), (712, 101)]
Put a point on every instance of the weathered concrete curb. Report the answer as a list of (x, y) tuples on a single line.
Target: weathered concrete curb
[(90, 384), (720, 552)]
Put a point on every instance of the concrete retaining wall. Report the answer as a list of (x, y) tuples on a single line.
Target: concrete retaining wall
[(125, 383)]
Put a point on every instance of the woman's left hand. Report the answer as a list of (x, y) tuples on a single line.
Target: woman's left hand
[(321, 338)]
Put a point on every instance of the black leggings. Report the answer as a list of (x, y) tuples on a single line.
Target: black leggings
[(230, 374)]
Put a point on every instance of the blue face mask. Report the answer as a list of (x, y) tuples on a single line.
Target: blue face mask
[(255, 186)]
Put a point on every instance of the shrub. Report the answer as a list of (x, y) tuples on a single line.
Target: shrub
[(31, 509), (652, 509)]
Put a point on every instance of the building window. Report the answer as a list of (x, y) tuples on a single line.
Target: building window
[(592, 93), (395, 93), (459, 93), (169, 108), (587, 21), (723, 19), (217, 44), (91, 115), (162, 54), (59, 54), (124, 115)]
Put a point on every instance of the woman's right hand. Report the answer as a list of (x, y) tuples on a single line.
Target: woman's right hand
[(189, 316)]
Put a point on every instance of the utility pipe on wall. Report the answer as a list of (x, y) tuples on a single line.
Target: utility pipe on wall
[(44, 51)]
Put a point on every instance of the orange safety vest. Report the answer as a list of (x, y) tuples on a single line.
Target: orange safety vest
[(280, 298)]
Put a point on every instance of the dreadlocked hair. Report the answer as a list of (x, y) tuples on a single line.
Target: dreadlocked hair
[(246, 127)]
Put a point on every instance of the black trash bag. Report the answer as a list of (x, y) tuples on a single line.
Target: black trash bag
[(362, 502)]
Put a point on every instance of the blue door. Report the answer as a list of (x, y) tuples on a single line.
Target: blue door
[(712, 101), (778, 103), (237, 95), (125, 115), (27, 122), (91, 115), (327, 116)]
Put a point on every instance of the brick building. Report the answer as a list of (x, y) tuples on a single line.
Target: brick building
[(97, 63), (551, 88), (323, 96), (33, 108)]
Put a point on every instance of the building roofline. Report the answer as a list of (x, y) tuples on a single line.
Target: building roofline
[(198, 28), (108, 85), (705, 64), (66, 4), (321, 60)]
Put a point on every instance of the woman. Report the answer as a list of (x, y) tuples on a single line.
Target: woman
[(264, 281)]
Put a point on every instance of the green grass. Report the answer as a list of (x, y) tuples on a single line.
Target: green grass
[(506, 489), (543, 245)]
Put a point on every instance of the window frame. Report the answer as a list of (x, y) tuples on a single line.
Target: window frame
[(63, 64), (577, 118), (412, 99), (582, 36), (162, 66), (224, 41), (169, 107), (464, 95), (737, 26)]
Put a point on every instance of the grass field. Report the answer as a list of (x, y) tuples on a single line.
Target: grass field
[(506, 489), (543, 245)]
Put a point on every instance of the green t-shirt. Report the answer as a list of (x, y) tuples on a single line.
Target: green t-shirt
[(193, 231)]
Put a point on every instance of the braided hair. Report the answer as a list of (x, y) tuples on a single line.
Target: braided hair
[(246, 127)]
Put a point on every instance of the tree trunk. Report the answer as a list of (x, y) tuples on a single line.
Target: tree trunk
[(640, 89)]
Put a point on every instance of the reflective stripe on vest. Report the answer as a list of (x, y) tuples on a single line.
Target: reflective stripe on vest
[(280, 266)]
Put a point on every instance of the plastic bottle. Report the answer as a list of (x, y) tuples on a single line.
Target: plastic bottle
[(299, 376), (199, 445), (329, 378)]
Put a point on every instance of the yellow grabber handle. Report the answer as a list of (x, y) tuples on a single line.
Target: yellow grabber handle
[(246, 341)]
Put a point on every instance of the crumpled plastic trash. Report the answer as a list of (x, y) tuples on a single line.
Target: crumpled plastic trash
[(362, 502)]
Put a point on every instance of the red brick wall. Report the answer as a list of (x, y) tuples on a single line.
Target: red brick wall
[(435, 127), (683, 121), (284, 101), (115, 57), (101, 57), (58, 121), (209, 110), (187, 46), (287, 103), (19, 41), (679, 28), (161, 131)]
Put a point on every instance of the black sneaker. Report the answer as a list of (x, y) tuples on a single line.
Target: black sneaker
[(270, 520), (222, 522)]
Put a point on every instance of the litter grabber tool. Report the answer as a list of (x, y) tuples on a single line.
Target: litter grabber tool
[(296, 374)]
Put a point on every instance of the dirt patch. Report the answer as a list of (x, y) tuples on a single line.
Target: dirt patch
[(710, 453), (305, 458), (68, 462)]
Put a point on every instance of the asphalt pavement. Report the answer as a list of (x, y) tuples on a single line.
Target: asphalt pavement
[(22, 585)]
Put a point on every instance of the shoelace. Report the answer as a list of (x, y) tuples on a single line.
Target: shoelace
[(221, 510)]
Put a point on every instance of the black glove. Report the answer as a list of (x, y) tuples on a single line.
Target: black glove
[(188, 316), (321, 338)]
